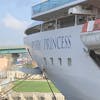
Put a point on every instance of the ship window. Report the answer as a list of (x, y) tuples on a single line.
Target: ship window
[(69, 61), (60, 61), (66, 22), (81, 19), (49, 25), (34, 29), (51, 60), (45, 61)]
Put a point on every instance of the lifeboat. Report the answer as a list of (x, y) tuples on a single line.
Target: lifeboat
[(90, 34)]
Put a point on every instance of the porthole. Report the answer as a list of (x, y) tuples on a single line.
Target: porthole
[(45, 61), (60, 61), (51, 60), (69, 61)]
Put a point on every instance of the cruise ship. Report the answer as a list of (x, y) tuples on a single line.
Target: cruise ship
[(65, 43)]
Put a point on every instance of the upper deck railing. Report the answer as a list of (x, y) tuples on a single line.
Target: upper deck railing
[(48, 5)]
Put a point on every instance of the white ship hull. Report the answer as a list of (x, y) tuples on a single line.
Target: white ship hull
[(75, 74)]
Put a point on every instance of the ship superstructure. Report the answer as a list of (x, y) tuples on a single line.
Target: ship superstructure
[(60, 46)]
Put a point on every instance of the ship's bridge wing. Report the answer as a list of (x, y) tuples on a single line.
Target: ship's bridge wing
[(53, 8)]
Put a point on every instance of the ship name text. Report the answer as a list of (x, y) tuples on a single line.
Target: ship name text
[(51, 43)]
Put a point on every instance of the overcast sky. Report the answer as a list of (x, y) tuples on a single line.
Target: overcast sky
[(15, 15)]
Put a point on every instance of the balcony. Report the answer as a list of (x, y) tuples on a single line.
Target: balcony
[(45, 7)]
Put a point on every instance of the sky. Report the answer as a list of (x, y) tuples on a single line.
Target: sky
[(15, 16)]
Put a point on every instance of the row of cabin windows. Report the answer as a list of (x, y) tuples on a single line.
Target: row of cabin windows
[(56, 24), (60, 61)]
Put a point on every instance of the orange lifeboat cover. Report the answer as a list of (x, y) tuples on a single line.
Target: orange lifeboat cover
[(84, 28), (96, 25)]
